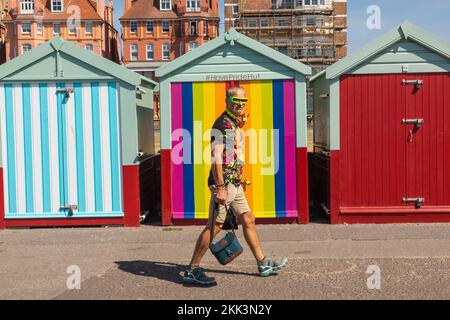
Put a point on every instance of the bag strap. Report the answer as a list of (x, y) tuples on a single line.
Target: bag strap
[(213, 221)]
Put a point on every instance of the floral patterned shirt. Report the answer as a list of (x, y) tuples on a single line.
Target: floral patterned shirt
[(226, 131)]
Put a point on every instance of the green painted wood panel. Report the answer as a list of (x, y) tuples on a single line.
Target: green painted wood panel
[(335, 143), (397, 68), (321, 87), (45, 67), (77, 68), (247, 67), (199, 77), (417, 57), (128, 123)]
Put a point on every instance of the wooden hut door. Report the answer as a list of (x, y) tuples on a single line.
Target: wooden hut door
[(60, 150), (427, 129)]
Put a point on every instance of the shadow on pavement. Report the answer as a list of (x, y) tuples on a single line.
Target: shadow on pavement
[(167, 271)]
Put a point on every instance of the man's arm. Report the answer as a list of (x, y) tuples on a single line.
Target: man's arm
[(217, 161)]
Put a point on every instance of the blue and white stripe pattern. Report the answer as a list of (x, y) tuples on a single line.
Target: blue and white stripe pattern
[(58, 151)]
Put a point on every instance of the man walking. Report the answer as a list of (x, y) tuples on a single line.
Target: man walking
[(225, 182)]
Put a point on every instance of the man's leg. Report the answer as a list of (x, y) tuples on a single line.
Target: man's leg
[(202, 244), (251, 236), (266, 266)]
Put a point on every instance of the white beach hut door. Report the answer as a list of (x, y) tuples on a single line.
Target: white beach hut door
[(61, 150)]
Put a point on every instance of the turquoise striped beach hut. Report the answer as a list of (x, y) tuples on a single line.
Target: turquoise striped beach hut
[(69, 138)]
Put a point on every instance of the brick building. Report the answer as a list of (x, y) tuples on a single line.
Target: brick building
[(311, 31), (155, 32), (2, 32), (87, 23)]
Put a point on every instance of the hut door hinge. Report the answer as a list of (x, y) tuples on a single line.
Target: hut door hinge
[(417, 83), (417, 201), (70, 207)]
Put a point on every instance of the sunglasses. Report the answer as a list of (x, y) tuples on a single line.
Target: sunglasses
[(238, 100)]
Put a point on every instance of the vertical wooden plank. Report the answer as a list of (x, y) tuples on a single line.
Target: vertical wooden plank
[(366, 122), (433, 140), (440, 136), (446, 159), (344, 137), (371, 141)]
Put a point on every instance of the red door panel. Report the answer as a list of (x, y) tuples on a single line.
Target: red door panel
[(373, 141), (428, 147)]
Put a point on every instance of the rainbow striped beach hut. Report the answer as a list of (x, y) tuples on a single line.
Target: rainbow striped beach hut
[(193, 92), (69, 138)]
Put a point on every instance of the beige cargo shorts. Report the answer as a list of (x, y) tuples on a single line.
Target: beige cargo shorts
[(236, 200)]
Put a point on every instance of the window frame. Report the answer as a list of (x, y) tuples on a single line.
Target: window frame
[(235, 8), (163, 5), (22, 29), (163, 23), (54, 3), (133, 23), (190, 27), (56, 24), (190, 45), (147, 51), (26, 44), (39, 28), (147, 23), (162, 47), (134, 45), (195, 8), (29, 4), (90, 23)]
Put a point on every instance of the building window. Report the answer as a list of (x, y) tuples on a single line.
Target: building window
[(165, 5), (88, 27), (134, 52), (27, 6), (311, 21), (192, 45), (89, 47), (283, 50), (165, 26), (235, 9), (252, 23), (264, 23), (311, 52), (283, 23), (57, 6), (149, 26), (150, 55), (193, 5), (166, 51), (26, 27), (193, 28), (205, 28), (26, 47), (39, 27), (72, 28), (133, 27), (56, 28), (181, 48)]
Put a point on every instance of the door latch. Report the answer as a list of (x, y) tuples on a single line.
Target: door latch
[(417, 201), (417, 83), (66, 91), (417, 122), (70, 207)]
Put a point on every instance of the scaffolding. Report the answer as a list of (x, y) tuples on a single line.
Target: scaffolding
[(304, 33)]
